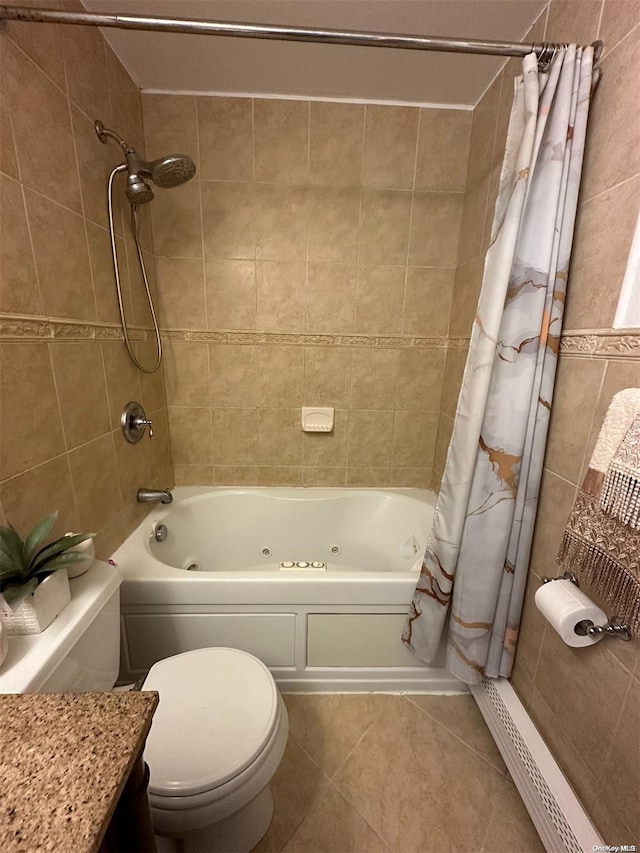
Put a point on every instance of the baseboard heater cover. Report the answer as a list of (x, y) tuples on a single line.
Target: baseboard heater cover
[(556, 812)]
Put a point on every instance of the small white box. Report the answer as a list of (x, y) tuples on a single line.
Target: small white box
[(317, 419)]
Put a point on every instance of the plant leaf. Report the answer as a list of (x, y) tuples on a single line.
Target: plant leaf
[(36, 536), (59, 562), (12, 547), (57, 547), (15, 594), (9, 575), (8, 559)]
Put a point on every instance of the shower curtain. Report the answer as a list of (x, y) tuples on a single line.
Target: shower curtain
[(476, 561)]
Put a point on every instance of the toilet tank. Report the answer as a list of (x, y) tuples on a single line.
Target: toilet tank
[(80, 650)]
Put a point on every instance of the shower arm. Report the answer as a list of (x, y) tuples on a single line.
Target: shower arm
[(104, 133), (544, 51)]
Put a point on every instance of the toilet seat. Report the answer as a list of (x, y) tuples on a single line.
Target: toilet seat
[(218, 714)]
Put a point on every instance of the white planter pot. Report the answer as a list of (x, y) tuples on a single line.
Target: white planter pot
[(88, 551), (41, 607)]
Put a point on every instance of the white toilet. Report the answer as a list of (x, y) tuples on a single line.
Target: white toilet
[(218, 733), (216, 740)]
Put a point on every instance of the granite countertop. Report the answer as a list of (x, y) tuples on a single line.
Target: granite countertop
[(64, 760)]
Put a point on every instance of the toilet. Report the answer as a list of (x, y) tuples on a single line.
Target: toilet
[(216, 740), (217, 736)]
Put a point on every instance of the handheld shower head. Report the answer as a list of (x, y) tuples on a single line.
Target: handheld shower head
[(138, 190)]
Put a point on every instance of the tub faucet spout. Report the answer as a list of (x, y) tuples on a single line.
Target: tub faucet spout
[(151, 495)]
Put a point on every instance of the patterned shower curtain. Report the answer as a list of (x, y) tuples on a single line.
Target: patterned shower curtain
[(476, 562)]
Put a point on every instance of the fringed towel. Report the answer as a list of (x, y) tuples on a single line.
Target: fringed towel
[(601, 542), (620, 495)]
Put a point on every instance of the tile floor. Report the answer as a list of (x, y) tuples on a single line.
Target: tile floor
[(393, 774)]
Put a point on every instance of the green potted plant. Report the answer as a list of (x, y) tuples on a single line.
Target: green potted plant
[(33, 590)]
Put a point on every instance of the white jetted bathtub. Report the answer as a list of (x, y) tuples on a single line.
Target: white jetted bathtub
[(314, 582)]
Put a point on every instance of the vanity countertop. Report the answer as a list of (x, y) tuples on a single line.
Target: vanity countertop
[(64, 760)]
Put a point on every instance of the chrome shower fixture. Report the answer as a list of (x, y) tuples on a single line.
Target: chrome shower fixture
[(104, 132), (167, 172)]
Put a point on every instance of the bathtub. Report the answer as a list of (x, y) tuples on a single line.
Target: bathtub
[(314, 582)]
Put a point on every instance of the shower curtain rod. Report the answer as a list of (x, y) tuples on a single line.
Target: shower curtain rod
[(544, 51)]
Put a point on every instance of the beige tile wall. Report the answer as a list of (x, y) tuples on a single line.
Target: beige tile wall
[(312, 262), (64, 375), (586, 701)]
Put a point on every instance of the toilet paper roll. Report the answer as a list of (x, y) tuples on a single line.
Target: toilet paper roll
[(563, 605)]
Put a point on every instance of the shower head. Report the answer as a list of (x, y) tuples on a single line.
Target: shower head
[(172, 170), (167, 172), (138, 189)]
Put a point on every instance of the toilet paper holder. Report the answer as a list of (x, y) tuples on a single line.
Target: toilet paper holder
[(585, 628)]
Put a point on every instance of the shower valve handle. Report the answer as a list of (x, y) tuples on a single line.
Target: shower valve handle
[(141, 423), (134, 421)]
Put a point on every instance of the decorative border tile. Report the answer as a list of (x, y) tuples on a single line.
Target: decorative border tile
[(619, 345), (578, 344), (601, 343), (302, 339), (458, 343), (585, 343), (24, 328), (14, 327), (17, 327)]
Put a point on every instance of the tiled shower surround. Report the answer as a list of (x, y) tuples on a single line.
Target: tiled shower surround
[(311, 262), (64, 373)]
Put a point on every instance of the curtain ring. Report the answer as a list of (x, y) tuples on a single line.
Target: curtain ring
[(547, 55)]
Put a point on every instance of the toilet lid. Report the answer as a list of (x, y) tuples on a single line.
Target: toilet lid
[(217, 710)]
